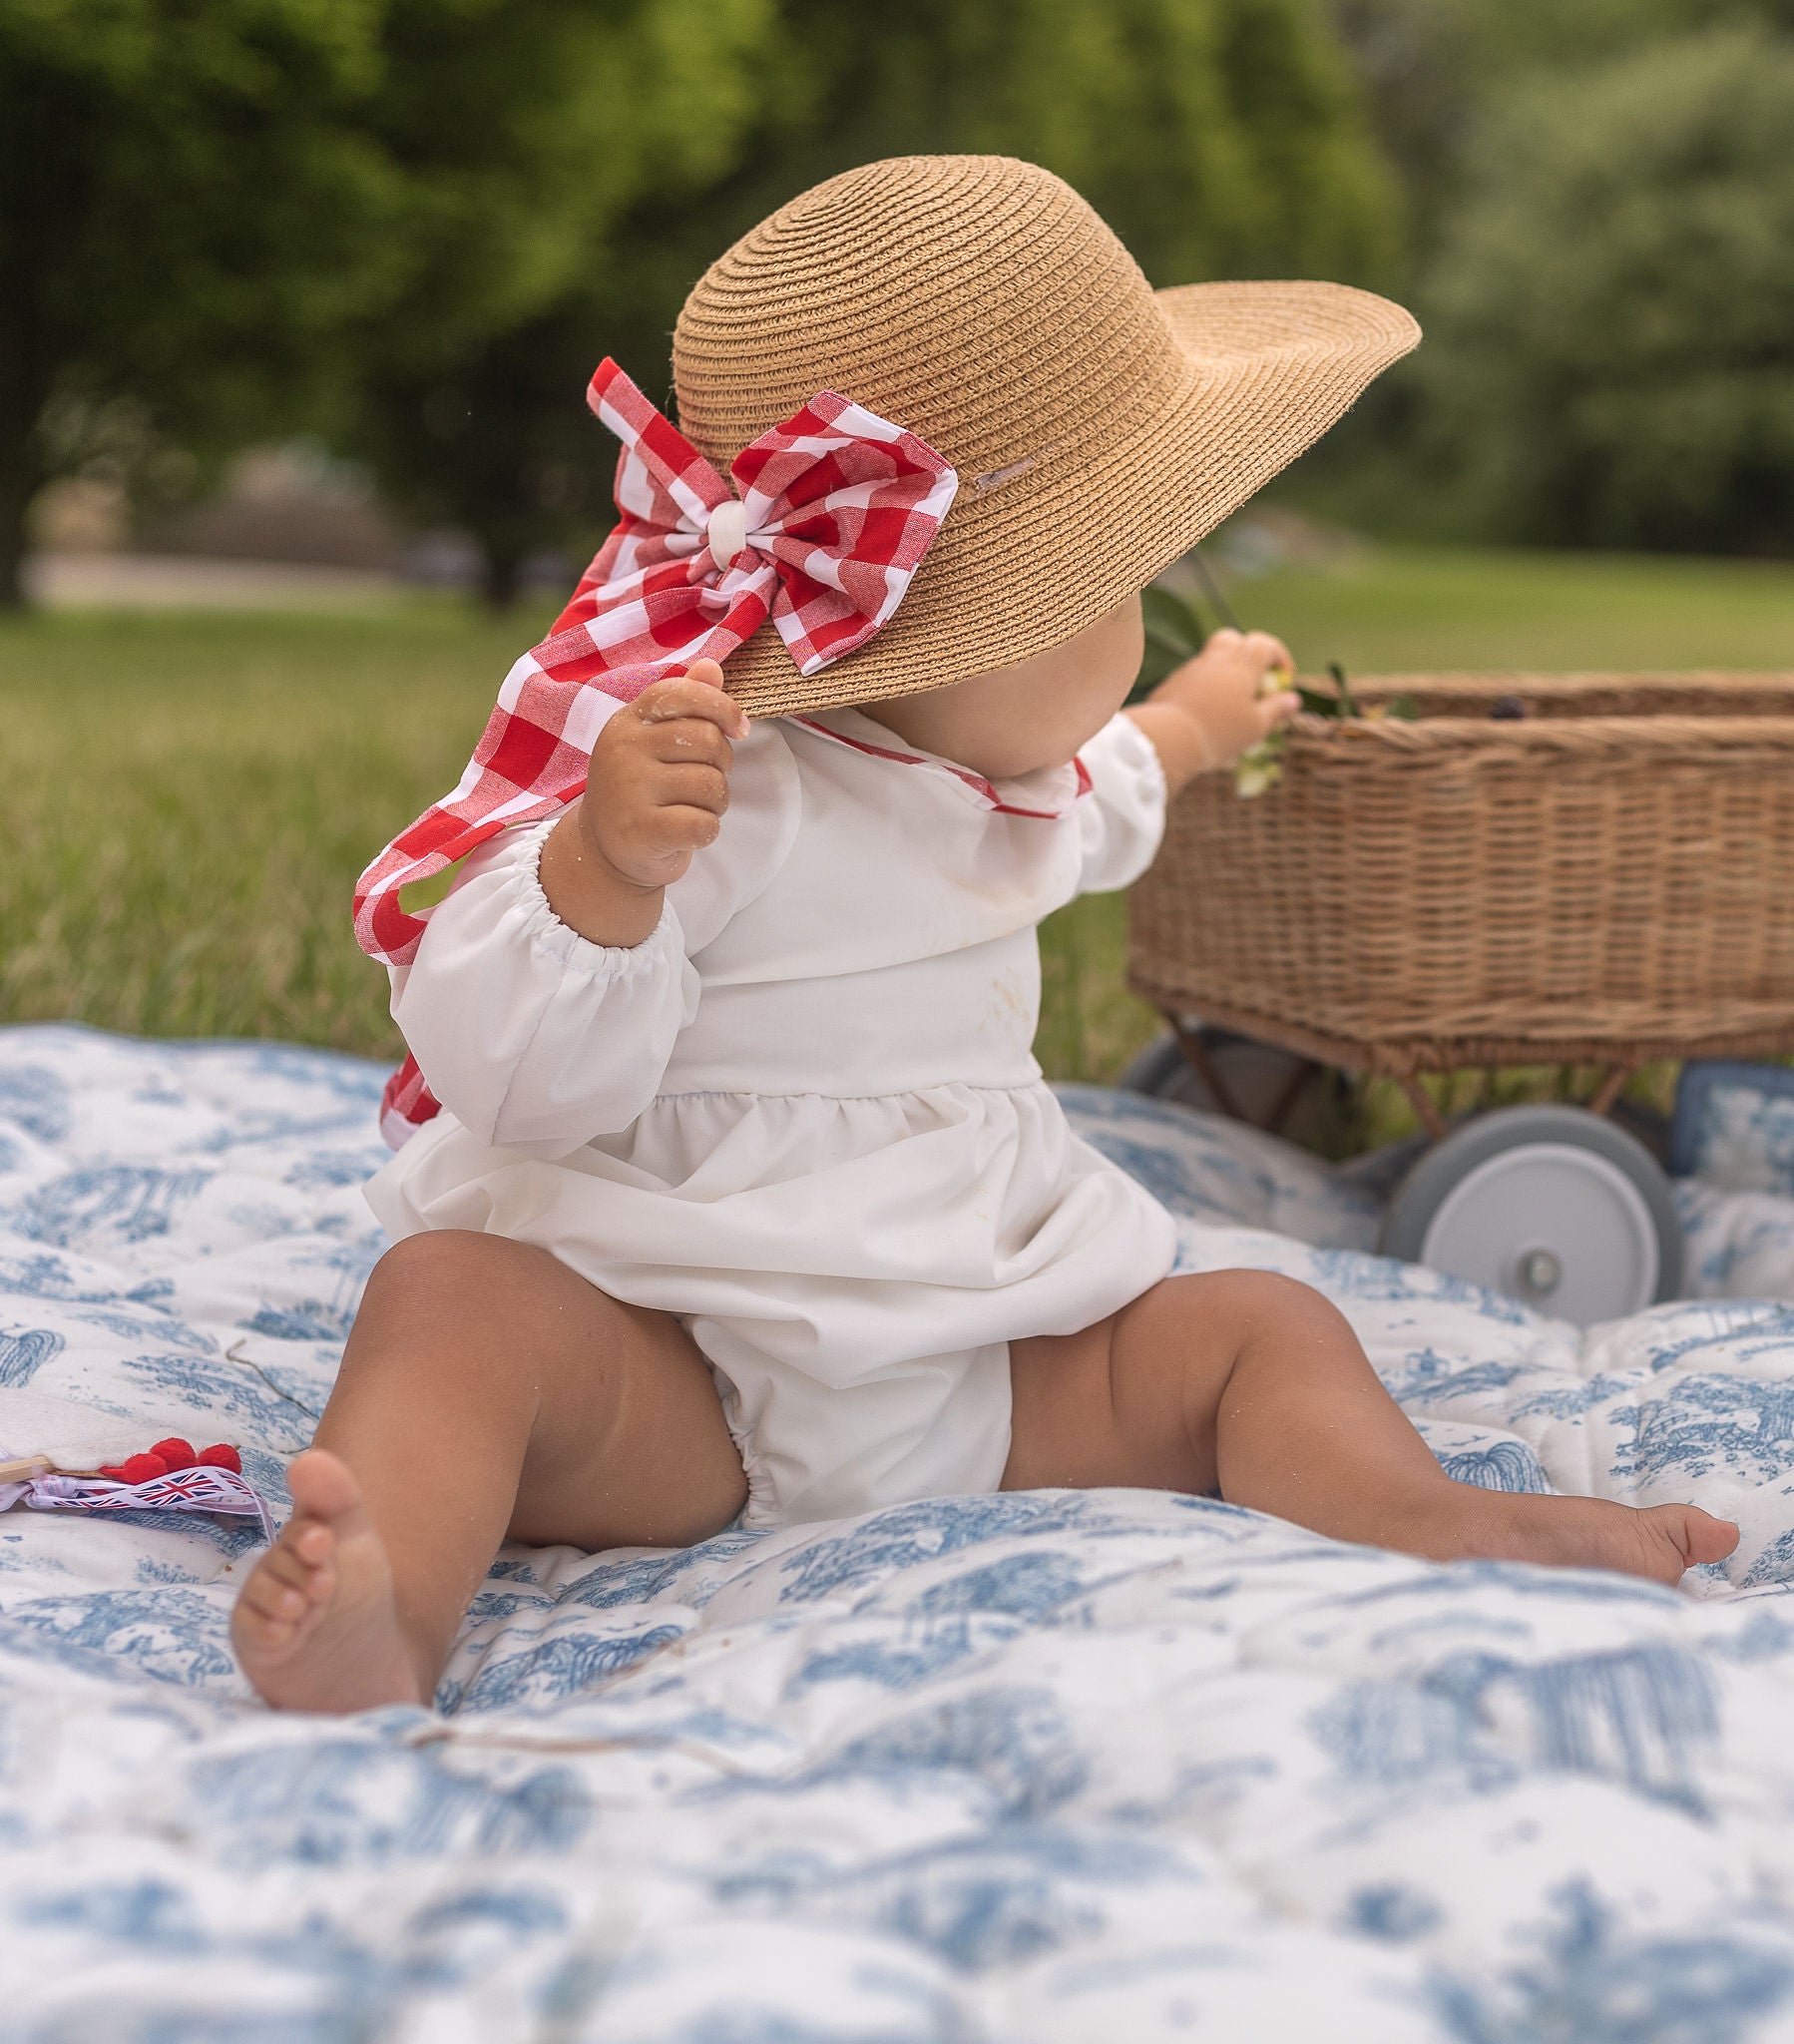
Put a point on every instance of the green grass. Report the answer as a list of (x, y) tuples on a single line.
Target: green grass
[(189, 796), (1405, 610)]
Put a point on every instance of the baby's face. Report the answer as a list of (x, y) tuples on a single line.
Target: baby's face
[(1033, 715)]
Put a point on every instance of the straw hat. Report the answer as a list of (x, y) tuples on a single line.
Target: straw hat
[(1099, 428)]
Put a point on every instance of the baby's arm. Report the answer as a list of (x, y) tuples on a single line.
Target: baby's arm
[(551, 984), (1208, 711), (655, 791)]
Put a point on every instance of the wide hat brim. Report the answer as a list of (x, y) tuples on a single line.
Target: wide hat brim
[(1025, 561)]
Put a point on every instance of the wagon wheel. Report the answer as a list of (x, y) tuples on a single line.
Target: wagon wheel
[(1259, 1083), (1551, 1204)]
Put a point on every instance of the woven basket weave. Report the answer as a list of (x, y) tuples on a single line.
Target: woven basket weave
[(1608, 880)]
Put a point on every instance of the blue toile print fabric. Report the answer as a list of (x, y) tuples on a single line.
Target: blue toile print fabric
[(977, 1770)]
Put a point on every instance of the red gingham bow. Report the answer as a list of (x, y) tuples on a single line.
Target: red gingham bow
[(837, 509)]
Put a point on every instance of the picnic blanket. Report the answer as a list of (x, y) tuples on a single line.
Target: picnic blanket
[(982, 1771)]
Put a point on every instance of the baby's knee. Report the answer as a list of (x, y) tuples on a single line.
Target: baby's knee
[(1266, 1301), (453, 1267)]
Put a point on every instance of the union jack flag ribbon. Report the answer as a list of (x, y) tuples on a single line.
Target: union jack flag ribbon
[(182, 1490)]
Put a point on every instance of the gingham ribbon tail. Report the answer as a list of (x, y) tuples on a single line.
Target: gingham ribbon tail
[(835, 510)]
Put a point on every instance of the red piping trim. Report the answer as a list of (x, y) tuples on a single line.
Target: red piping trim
[(976, 782)]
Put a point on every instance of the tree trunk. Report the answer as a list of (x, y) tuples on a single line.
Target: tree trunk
[(503, 574), (19, 480)]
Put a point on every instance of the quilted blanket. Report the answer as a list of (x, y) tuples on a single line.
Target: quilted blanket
[(982, 1771)]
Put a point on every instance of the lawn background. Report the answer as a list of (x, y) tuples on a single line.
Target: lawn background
[(191, 795)]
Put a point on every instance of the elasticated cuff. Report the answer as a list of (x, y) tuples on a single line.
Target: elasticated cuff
[(561, 943)]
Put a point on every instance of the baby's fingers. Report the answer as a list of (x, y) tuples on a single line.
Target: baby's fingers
[(688, 741), (692, 785), (1275, 710), (1266, 646), (698, 694), (680, 828)]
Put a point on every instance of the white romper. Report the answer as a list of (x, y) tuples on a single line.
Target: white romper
[(804, 1113)]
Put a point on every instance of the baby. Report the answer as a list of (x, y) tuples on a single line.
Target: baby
[(729, 1187)]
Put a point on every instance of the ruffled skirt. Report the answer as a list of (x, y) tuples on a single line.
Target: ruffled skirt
[(853, 1269)]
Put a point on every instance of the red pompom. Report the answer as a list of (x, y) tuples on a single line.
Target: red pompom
[(143, 1469), (219, 1456), (174, 1452), (115, 1470)]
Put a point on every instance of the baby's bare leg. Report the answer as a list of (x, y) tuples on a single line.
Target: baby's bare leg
[(487, 1391), (1255, 1385)]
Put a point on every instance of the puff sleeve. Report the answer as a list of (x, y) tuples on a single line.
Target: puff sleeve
[(535, 1038), (1123, 818)]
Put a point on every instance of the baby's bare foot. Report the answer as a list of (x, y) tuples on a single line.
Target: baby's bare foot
[(315, 1627), (1660, 1541)]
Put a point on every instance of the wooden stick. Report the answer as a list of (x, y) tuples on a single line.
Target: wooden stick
[(1304, 1071), (1423, 1105), (24, 1467), (1611, 1087), (1197, 1051)]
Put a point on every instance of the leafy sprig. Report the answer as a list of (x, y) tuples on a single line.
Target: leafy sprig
[(1175, 631)]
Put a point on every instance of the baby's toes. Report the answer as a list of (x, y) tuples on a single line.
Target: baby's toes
[(298, 1553), (1702, 1537), (296, 1574), (1679, 1537), (313, 1548), (268, 1607)]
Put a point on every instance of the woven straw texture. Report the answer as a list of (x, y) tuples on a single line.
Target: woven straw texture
[(1607, 881), (1099, 428)]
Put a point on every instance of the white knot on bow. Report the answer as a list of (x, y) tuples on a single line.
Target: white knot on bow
[(726, 532)]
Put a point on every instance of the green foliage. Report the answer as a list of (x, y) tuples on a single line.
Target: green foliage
[(534, 128), (190, 211), (530, 126), (1610, 355), (1433, 69), (1218, 136), (1443, 79), (219, 222), (1175, 631), (422, 221)]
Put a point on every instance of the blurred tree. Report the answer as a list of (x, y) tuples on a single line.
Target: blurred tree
[(1611, 324), (534, 127), (1433, 68), (219, 223), (1218, 136), (187, 216), (1435, 73)]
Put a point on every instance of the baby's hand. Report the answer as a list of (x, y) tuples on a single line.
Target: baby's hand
[(658, 784), (1230, 693)]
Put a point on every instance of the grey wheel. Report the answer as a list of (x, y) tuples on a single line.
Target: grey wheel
[(1551, 1204), (1273, 1089)]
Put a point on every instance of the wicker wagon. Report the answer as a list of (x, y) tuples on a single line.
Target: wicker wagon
[(1590, 869)]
